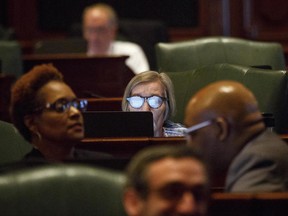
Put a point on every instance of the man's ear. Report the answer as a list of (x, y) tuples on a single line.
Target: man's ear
[(223, 128), (29, 121), (133, 203)]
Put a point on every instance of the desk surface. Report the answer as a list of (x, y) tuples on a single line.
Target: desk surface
[(128, 146), (238, 204), (284, 137), (125, 147)]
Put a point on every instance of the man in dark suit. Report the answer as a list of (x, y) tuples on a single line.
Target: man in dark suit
[(226, 125)]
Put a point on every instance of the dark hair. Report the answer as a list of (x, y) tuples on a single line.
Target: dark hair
[(137, 169), (24, 92)]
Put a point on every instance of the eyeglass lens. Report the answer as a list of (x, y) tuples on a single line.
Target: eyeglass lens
[(175, 191), (138, 101), (63, 105)]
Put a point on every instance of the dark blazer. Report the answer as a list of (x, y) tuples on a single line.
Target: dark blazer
[(262, 166)]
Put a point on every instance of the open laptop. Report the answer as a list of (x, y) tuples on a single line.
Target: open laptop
[(118, 124)]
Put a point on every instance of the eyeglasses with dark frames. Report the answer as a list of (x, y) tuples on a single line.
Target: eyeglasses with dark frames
[(62, 105), (175, 191), (153, 101)]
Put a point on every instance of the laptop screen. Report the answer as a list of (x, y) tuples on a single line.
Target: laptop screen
[(118, 124)]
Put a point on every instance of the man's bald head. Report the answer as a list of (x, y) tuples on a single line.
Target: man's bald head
[(234, 119), (229, 99)]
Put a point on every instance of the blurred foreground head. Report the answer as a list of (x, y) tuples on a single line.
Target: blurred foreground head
[(166, 180)]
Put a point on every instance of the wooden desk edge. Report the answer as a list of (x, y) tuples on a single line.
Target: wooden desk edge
[(69, 56), (248, 195), (135, 139)]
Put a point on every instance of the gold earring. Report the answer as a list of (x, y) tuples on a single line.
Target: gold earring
[(39, 136)]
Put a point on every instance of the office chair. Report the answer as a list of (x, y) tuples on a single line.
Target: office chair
[(11, 58), (6, 33), (187, 55), (61, 189), (13, 146), (268, 86)]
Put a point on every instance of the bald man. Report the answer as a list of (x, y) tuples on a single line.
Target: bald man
[(100, 25), (226, 125)]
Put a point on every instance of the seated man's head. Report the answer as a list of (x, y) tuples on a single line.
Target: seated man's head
[(167, 180), (151, 91), (223, 117), (99, 23)]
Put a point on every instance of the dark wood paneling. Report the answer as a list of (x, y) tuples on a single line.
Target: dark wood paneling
[(262, 20), (94, 76), (104, 104), (34, 19), (266, 20), (3, 13)]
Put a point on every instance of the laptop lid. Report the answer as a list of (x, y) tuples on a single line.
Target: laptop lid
[(118, 124)]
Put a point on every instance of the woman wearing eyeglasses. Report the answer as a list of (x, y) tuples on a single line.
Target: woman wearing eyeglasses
[(154, 92), (47, 113)]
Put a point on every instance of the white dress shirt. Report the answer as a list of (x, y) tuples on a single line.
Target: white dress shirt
[(137, 60)]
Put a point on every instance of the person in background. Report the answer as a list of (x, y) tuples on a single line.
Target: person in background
[(47, 113), (151, 91), (100, 25), (166, 180), (225, 123)]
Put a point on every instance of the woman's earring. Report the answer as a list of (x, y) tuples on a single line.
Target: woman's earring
[(39, 136)]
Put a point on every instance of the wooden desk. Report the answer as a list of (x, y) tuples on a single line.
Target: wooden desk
[(93, 76), (126, 147), (239, 204), (284, 137)]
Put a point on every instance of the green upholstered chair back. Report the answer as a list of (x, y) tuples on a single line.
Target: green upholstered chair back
[(13, 146), (268, 86), (62, 189), (11, 58), (187, 55)]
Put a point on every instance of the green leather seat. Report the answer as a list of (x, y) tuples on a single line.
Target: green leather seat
[(61, 189), (13, 146), (11, 58), (187, 55), (269, 87)]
